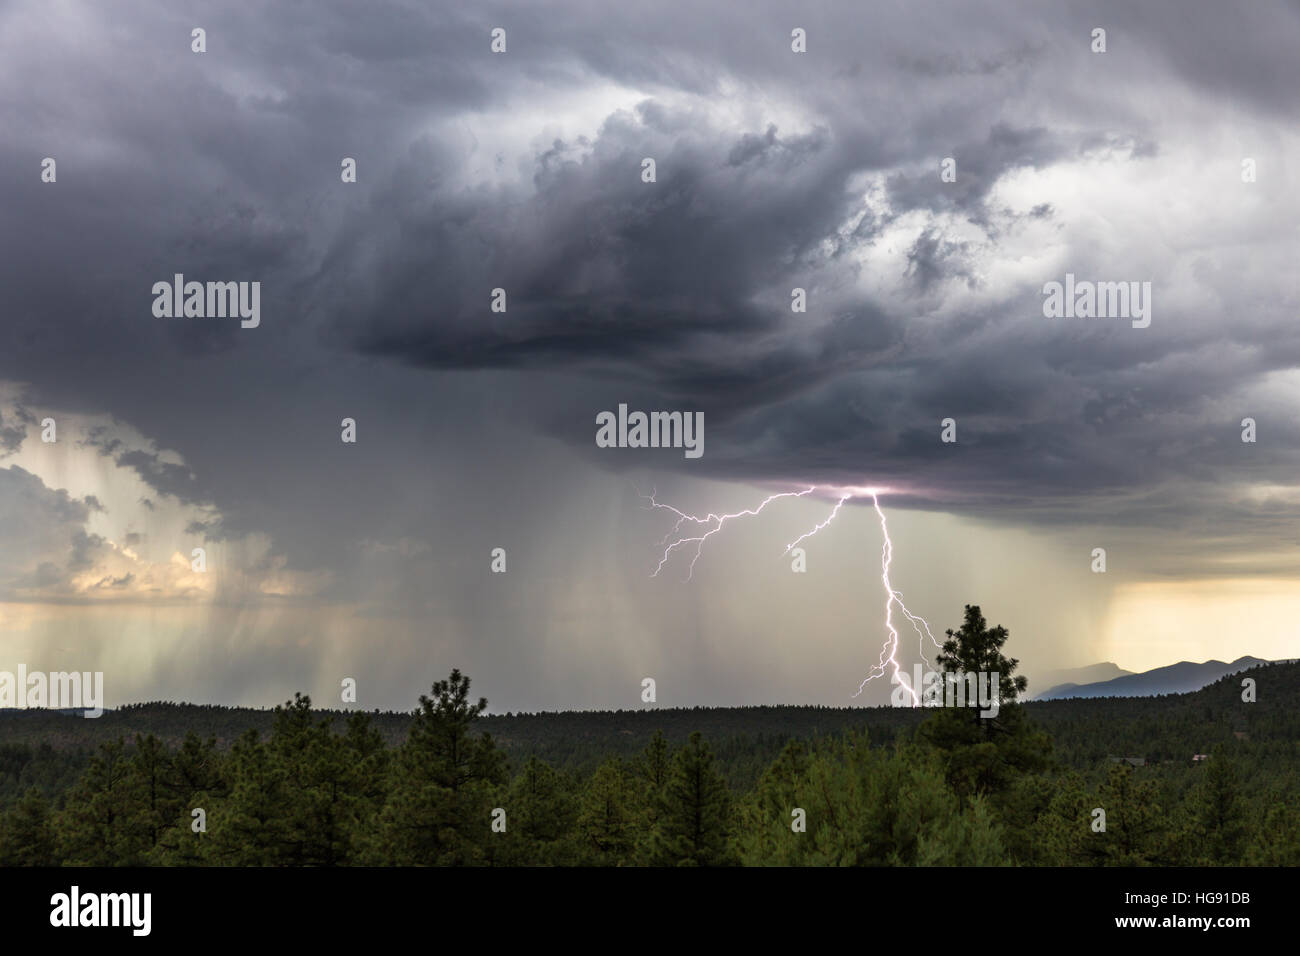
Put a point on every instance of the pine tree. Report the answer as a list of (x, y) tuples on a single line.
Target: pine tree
[(149, 771), (694, 819), (765, 834), (868, 806), (652, 770), (194, 781), (248, 827), (1139, 831), (196, 767), (98, 827), (1218, 813), (655, 763), (370, 761), (306, 797), (1277, 841), (985, 754), (438, 810), (541, 816), (1061, 826), (609, 819), (27, 833)]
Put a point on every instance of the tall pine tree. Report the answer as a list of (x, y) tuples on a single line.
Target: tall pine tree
[(693, 825), (439, 807)]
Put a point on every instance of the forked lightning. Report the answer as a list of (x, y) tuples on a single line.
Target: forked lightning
[(693, 530)]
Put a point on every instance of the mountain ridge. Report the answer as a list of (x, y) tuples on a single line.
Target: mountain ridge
[(1181, 678)]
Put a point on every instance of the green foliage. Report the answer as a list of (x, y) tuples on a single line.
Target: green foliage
[(300, 798), (27, 834), (439, 798), (867, 807), (103, 823), (541, 816), (612, 814), (1139, 829), (693, 819), (302, 787), (1277, 841), (1217, 811)]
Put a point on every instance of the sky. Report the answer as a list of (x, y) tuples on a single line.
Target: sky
[(475, 429)]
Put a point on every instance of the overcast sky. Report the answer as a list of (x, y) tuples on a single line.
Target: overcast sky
[(476, 430)]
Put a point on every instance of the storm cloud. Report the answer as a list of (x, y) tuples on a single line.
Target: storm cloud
[(521, 171)]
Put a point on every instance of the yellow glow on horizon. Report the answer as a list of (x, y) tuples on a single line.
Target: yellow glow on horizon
[(1153, 624)]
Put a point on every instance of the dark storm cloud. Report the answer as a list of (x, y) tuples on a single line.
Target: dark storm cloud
[(1243, 52), (616, 280), (522, 171), (981, 163), (165, 478), (225, 166)]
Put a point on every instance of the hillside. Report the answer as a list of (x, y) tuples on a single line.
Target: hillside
[(1071, 676), (1181, 678)]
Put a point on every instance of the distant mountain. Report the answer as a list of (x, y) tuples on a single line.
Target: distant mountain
[(1073, 677), (1181, 678)]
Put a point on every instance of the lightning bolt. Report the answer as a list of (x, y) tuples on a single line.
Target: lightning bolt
[(689, 532)]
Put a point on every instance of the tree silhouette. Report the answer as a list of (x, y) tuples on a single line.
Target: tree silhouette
[(438, 807)]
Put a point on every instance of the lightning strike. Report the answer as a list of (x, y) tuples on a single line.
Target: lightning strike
[(699, 529)]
